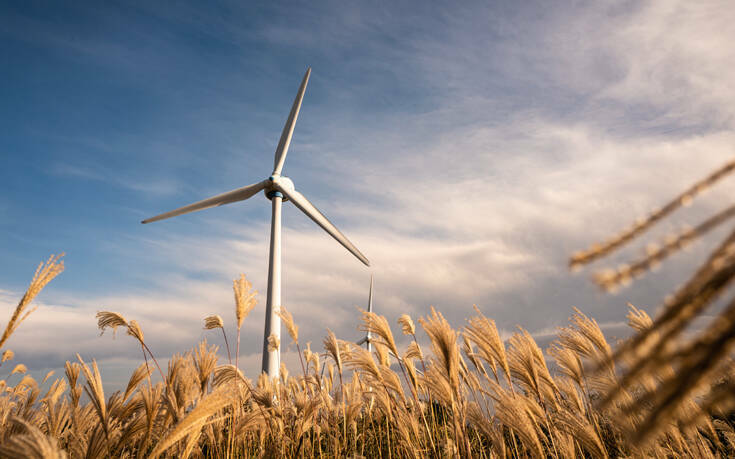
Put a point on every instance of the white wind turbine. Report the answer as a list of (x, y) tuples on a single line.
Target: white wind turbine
[(278, 189), (368, 339)]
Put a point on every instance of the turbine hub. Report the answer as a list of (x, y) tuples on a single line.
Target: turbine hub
[(278, 181)]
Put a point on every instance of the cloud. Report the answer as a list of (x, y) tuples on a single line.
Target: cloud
[(154, 187), (530, 136)]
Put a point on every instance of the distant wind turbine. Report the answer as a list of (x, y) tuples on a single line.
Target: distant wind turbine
[(368, 339), (277, 188)]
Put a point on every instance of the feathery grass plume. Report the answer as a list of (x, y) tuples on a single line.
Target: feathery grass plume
[(584, 433), (572, 397), (33, 444), (264, 394), (195, 419), (381, 350), (307, 352), (20, 369), (212, 322), (413, 375), (528, 365), (516, 411), (245, 301), (413, 351), (274, 343), (215, 321), (314, 360), (135, 331), (661, 351), (287, 318), (363, 361), (610, 280), (698, 294), (331, 345), (96, 394), (183, 383), (227, 374), (247, 423), (438, 384), (483, 332), (727, 431), (569, 363), (638, 319), (587, 343), (71, 370), (138, 375), (49, 374), (109, 319), (695, 363), (444, 343), (45, 273), (205, 361), (478, 419), (591, 333), (26, 381), (56, 416), (471, 354), (599, 250), (690, 300), (407, 326), (6, 355), (378, 325)]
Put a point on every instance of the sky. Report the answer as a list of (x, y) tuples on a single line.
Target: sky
[(466, 148)]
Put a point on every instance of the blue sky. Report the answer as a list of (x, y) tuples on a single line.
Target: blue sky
[(467, 149)]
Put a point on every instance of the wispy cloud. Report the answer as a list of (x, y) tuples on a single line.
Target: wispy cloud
[(155, 187), (466, 156)]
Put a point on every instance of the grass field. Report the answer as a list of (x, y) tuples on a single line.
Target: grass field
[(470, 394)]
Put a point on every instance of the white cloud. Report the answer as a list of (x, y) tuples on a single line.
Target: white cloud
[(539, 139)]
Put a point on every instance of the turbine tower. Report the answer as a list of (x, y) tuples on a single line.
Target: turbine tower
[(278, 189), (368, 339)]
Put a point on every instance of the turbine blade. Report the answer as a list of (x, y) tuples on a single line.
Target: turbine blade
[(308, 208), (239, 194), (285, 141), (361, 342)]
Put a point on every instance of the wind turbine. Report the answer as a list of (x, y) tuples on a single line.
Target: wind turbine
[(368, 339), (278, 189)]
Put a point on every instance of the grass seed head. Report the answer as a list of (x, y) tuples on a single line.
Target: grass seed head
[(109, 319), (407, 326), (245, 299), (291, 327), (212, 322), (6, 355), (274, 343)]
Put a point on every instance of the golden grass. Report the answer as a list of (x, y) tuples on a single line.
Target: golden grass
[(664, 368), (376, 405), (245, 301), (45, 273)]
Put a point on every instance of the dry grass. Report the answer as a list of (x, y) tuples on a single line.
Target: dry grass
[(349, 402), (678, 377)]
